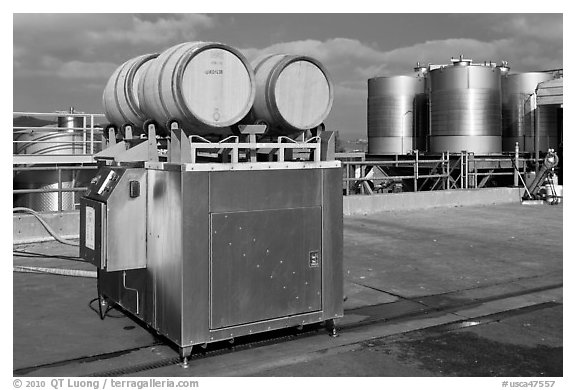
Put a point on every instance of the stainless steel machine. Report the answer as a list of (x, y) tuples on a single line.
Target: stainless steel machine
[(208, 241)]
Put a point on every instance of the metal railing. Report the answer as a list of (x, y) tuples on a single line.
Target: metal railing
[(54, 159), (48, 144), (415, 172)]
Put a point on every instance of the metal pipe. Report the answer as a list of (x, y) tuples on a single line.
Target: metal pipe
[(51, 168), (494, 174), (403, 132), (395, 163), (59, 190), (50, 128), (364, 178), (536, 133), (45, 190), (52, 114), (131, 289), (47, 142)]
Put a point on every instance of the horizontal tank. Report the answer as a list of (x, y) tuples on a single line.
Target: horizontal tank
[(465, 108), (518, 113), (57, 142), (394, 104)]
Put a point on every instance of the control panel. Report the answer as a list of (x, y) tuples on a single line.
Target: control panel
[(103, 184)]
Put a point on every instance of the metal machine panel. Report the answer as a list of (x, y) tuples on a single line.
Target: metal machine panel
[(264, 190), (165, 250), (332, 244), (135, 292), (263, 326), (113, 219), (132, 289), (195, 263), (264, 265), (126, 222)]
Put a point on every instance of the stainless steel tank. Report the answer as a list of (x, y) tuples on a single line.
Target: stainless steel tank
[(518, 113), (57, 142), (393, 107), (465, 108)]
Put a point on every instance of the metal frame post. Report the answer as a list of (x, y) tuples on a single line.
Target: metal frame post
[(416, 173), (471, 171), (461, 169), (92, 134), (516, 163), (536, 133), (83, 135), (444, 170), (59, 189)]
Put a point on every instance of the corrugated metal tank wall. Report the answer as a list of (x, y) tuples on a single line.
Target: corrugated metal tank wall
[(466, 111), (393, 109), (518, 113)]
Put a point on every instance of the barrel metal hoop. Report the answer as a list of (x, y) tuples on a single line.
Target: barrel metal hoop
[(178, 74), (127, 109), (138, 62), (270, 96), (115, 93), (104, 104), (160, 72)]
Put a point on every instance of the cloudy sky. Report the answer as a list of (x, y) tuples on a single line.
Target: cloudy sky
[(62, 60)]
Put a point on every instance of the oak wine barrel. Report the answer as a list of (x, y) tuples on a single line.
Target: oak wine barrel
[(293, 93), (120, 97), (205, 86)]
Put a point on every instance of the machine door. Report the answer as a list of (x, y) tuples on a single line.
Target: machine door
[(93, 231), (265, 264)]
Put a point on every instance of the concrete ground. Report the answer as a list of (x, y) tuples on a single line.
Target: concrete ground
[(409, 277)]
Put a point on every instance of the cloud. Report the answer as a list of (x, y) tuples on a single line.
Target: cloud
[(53, 67), (86, 48), (543, 27), (86, 70), (353, 62), (73, 45), (154, 32)]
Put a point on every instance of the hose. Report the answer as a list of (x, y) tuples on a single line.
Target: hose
[(55, 271), (45, 224)]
